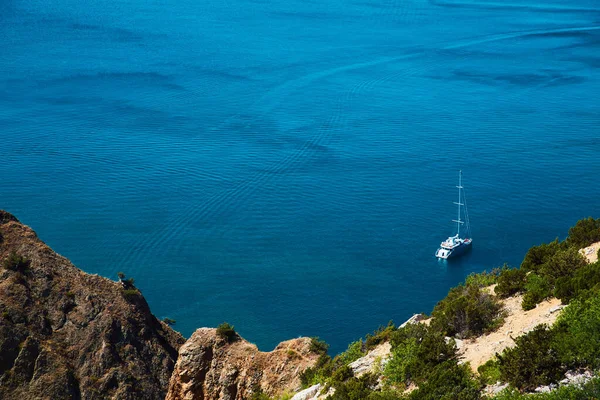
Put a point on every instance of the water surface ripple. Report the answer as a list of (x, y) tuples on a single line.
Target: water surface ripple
[(290, 167)]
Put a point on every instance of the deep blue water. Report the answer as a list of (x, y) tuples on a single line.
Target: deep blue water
[(290, 166)]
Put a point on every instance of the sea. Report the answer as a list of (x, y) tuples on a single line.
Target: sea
[(290, 167)]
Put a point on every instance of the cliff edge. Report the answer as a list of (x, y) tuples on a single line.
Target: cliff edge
[(212, 367), (65, 334)]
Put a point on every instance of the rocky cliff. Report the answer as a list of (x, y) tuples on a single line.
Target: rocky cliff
[(212, 367), (65, 334)]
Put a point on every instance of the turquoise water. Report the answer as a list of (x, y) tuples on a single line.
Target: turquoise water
[(289, 167)]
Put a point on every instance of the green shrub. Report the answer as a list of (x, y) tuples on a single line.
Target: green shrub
[(352, 353), (537, 289), (354, 388), (131, 294), (577, 334), (585, 232), (322, 371), (342, 374), (292, 354), (484, 278), (510, 282), (448, 381), (467, 311), (587, 391), (258, 394), (403, 365), (533, 362), (381, 335), (563, 263), (584, 280), (539, 255), (169, 321), (227, 332), (489, 373), (318, 346), (416, 350), (15, 262)]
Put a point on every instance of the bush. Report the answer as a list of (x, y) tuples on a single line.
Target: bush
[(227, 332), (537, 289), (484, 278), (258, 394), (318, 346), (448, 381), (15, 262), (539, 255), (489, 373), (587, 391), (562, 264), (510, 282), (577, 334), (467, 311), (585, 280), (131, 294), (353, 353), (169, 321), (533, 362), (381, 335), (416, 350), (585, 232), (322, 370), (354, 388), (342, 374)]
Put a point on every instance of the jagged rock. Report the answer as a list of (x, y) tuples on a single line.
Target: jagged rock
[(368, 363), (65, 334), (493, 390), (310, 393), (576, 377), (210, 367), (413, 320), (546, 389), (555, 309)]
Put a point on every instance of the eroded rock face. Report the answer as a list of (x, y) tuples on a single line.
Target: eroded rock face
[(65, 334), (209, 367)]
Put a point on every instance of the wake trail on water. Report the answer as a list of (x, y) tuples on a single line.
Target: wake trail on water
[(218, 204)]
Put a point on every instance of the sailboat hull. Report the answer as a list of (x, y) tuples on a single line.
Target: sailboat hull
[(462, 248)]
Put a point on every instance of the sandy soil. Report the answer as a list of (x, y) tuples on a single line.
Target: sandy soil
[(591, 252), (518, 322)]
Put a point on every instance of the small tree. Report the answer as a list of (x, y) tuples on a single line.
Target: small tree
[(227, 332), (127, 283), (318, 346), (533, 362), (510, 281), (15, 262), (584, 233), (169, 321)]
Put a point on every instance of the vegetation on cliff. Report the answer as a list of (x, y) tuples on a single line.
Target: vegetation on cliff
[(65, 334), (425, 358)]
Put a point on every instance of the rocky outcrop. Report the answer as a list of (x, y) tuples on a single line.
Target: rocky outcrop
[(211, 367), (373, 361), (65, 334)]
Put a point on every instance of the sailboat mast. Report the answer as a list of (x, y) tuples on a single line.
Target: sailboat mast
[(459, 186), (458, 221)]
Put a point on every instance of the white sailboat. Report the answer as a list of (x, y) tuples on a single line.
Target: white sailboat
[(455, 245)]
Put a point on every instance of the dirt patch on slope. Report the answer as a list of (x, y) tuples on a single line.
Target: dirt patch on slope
[(517, 322)]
